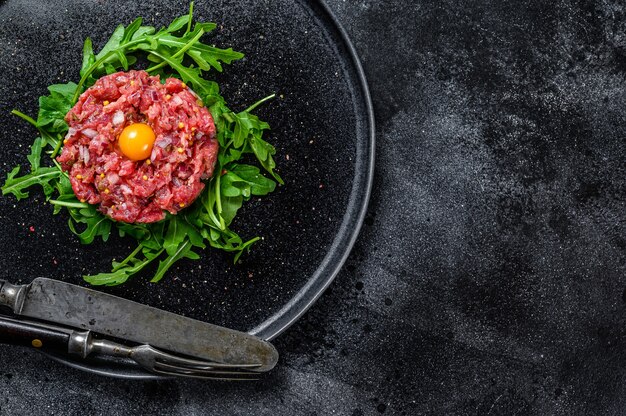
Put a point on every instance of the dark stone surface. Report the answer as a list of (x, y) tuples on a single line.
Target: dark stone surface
[(489, 278)]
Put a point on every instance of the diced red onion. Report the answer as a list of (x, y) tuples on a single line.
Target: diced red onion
[(177, 101), (83, 151), (91, 133), (164, 142), (118, 118), (113, 178), (156, 154)]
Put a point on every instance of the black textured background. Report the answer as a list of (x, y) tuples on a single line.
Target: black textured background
[(489, 278)]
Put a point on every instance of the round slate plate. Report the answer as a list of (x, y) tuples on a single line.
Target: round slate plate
[(322, 127)]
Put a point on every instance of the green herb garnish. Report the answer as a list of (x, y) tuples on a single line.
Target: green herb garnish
[(178, 48)]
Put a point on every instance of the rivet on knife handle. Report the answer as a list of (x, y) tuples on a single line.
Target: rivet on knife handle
[(12, 296)]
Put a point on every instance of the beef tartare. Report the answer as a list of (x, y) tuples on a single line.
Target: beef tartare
[(137, 147)]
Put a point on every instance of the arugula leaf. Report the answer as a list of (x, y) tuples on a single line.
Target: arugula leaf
[(245, 180), (182, 250), (177, 231), (249, 128), (205, 56), (88, 56), (17, 185), (122, 271), (192, 76), (54, 107), (230, 206), (96, 224), (178, 23), (142, 32), (130, 30), (35, 154), (112, 45)]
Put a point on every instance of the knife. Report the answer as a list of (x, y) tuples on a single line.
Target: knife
[(75, 306)]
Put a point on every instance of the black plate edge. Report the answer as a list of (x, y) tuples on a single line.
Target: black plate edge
[(308, 295)]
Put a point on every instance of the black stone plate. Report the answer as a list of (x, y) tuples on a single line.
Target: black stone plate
[(322, 128)]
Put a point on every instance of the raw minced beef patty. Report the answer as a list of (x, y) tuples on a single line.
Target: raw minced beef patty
[(184, 152)]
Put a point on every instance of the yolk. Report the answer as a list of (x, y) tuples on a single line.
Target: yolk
[(136, 141)]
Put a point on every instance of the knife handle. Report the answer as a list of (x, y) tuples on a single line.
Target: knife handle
[(15, 332), (12, 296)]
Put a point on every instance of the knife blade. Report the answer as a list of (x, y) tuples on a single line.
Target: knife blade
[(75, 306)]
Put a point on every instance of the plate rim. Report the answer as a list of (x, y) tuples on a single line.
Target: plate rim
[(306, 297), (267, 330)]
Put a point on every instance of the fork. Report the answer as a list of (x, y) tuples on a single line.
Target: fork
[(83, 344), (159, 362)]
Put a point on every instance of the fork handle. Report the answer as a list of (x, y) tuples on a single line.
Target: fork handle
[(16, 332)]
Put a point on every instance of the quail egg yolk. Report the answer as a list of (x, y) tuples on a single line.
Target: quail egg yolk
[(136, 141)]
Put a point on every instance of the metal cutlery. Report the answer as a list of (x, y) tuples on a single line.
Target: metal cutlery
[(74, 306), (67, 317), (84, 344)]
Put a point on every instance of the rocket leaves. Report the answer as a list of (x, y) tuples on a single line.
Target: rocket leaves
[(54, 107), (166, 47), (175, 50), (18, 185)]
